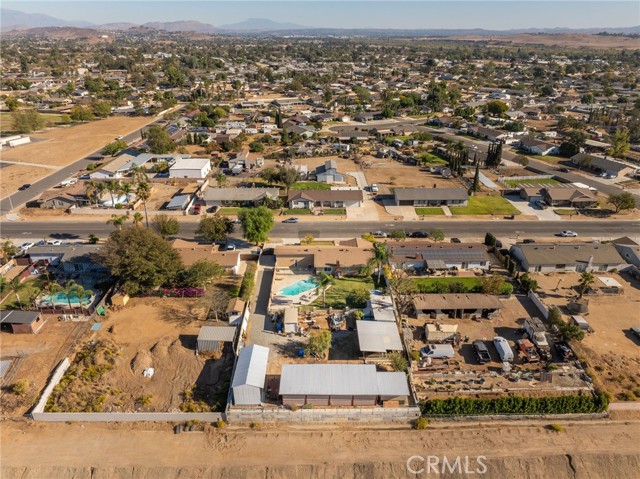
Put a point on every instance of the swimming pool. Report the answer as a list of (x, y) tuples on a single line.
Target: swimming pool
[(300, 287), (60, 299)]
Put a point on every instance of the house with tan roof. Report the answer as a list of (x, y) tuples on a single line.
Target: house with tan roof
[(335, 259), (310, 199), (567, 257), (192, 252), (442, 306), (569, 196)]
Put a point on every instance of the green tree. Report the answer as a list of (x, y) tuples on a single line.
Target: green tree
[(101, 109), (308, 239), (358, 297), (324, 281), (9, 250), (398, 361), (398, 234), (436, 235), (256, 147), (493, 284), (93, 239), (143, 193), (81, 113), (140, 258), (114, 147), (117, 220), (476, 179), (26, 121), (12, 103), (585, 281), (137, 218), (496, 107), (165, 225), (288, 176), (201, 273), (72, 289), (380, 257), (174, 76), (490, 239), (528, 284), (568, 149), (622, 201), (221, 180), (159, 141), (319, 344), (256, 223), (620, 143), (214, 228)]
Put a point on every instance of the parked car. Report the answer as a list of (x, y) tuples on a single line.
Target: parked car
[(379, 234), (568, 234), (437, 351), (374, 187), (230, 247), (564, 169), (418, 234), (197, 209), (564, 351), (482, 352), (25, 187), (54, 242), (504, 350), (290, 220), (25, 246), (456, 240), (528, 241), (541, 204)]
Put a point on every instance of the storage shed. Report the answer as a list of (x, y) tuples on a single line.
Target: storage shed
[(582, 323), (378, 336), (212, 338), (340, 385), (120, 299), (21, 322), (290, 320), (250, 375)]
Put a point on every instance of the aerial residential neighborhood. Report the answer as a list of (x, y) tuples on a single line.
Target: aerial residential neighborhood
[(318, 251)]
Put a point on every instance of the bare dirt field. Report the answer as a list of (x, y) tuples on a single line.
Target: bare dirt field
[(62, 146), (14, 176), (565, 40), (35, 356), (384, 169), (611, 351), (161, 193), (523, 449)]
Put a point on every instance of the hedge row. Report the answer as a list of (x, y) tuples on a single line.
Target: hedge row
[(515, 405), (248, 282)]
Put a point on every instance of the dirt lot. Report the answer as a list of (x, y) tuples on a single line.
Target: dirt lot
[(63, 146), (148, 333), (14, 176), (612, 353), (573, 40), (161, 193), (523, 449), (34, 357), (383, 169)]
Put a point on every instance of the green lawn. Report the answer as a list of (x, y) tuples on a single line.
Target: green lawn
[(431, 159), (335, 211), (540, 181), (310, 185), (426, 284), (28, 291), (554, 160), (6, 120), (485, 205), (228, 210), (433, 211), (565, 211), (297, 212), (336, 295)]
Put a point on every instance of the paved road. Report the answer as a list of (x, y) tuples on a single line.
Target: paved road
[(345, 229)]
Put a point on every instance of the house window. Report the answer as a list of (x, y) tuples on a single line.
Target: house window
[(327, 269)]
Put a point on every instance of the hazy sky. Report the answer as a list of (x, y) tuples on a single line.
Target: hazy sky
[(503, 15)]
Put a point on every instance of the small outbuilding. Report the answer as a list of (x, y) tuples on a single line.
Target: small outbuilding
[(378, 336), (290, 320), (21, 322), (212, 338), (250, 375), (120, 299)]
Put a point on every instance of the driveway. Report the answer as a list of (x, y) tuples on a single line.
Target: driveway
[(527, 209), (366, 212), (361, 180), (408, 213)]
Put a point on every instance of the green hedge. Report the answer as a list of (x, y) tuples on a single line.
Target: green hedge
[(515, 405), (248, 282)]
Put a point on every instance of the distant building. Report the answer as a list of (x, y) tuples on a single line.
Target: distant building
[(539, 147), (310, 199), (602, 165), (21, 322), (190, 168), (567, 257), (442, 306), (438, 256), (239, 196), (328, 173)]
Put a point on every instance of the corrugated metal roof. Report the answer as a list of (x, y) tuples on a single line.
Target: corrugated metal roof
[(5, 364), (378, 336), (217, 333), (339, 380), (381, 307), (251, 367), (178, 201), (18, 317)]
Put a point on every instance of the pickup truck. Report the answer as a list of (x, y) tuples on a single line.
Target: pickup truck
[(482, 352), (564, 351), (528, 352)]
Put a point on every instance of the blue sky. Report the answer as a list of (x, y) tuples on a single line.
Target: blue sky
[(503, 15)]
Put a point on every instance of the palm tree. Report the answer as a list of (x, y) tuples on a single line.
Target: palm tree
[(137, 218), (586, 280), (221, 180), (112, 186), (380, 256), (93, 191), (138, 174), (324, 282), (117, 220), (143, 192), (126, 189), (74, 289)]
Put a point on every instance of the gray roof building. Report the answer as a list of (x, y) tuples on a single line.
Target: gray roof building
[(578, 257), (439, 255), (250, 375), (211, 338), (430, 196), (378, 336), (229, 196)]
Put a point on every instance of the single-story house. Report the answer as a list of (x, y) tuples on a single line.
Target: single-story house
[(190, 168), (567, 257), (442, 306), (239, 196), (333, 259), (64, 198), (310, 199), (245, 160), (250, 375), (21, 322), (531, 193), (539, 147), (212, 338), (116, 168), (568, 196), (178, 202), (438, 256), (487, 133), (341, 385), (602, 165), (628, 249), (378, 336), (74, 258), (430, 196), (328, 173), (192, 251)]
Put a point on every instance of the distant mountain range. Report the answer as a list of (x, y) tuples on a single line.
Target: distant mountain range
[(16, 20)]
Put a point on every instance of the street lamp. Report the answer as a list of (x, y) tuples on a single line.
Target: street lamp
[(10, 201), (558, 285)]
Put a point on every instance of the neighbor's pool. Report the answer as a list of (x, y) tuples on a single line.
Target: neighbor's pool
[(299, 287), (60, 299)]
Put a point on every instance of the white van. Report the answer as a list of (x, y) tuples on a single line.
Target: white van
[(437, 351), (504, 350)]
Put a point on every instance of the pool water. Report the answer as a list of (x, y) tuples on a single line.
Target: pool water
[(300, 287), (61, 299)]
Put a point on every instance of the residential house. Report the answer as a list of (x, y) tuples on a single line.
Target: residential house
[(64, 198), (239, 196), (190, 168), (328, 173), (335, 259), (341, 385), (539, 147), (438, 256), (117, 168), (568, 196), (72, 258), (602, 165), (628, 249), (192, 251), (442, 306), (430, 196), (245, 160), (487, 133), (310, 199), (567, 257)]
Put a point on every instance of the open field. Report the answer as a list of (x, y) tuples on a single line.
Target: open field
[(62, 146), (388, 173), (569, 40), (611, 352), (14, 176), (485, 205), (6, 121), (524, 449)]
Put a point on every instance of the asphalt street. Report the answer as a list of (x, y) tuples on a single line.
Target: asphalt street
[(345, 229)]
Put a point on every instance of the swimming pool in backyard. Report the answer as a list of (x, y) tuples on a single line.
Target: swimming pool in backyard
[(299, 287), (60, 299)]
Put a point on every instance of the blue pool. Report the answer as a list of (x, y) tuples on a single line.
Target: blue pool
[(60, 299), (300, 287)]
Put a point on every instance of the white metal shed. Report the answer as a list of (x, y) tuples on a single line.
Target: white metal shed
[(250, 376)]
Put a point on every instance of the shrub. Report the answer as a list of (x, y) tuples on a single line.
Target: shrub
[(415, 355), (220, 424), (254, 425), (307, 406), (20, 388), (144, 400), (421, 423), (398, 361), (489, 239), (248, 282), (91, 167), (556, 427)]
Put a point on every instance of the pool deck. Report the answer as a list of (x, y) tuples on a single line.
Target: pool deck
[(282, 280)]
